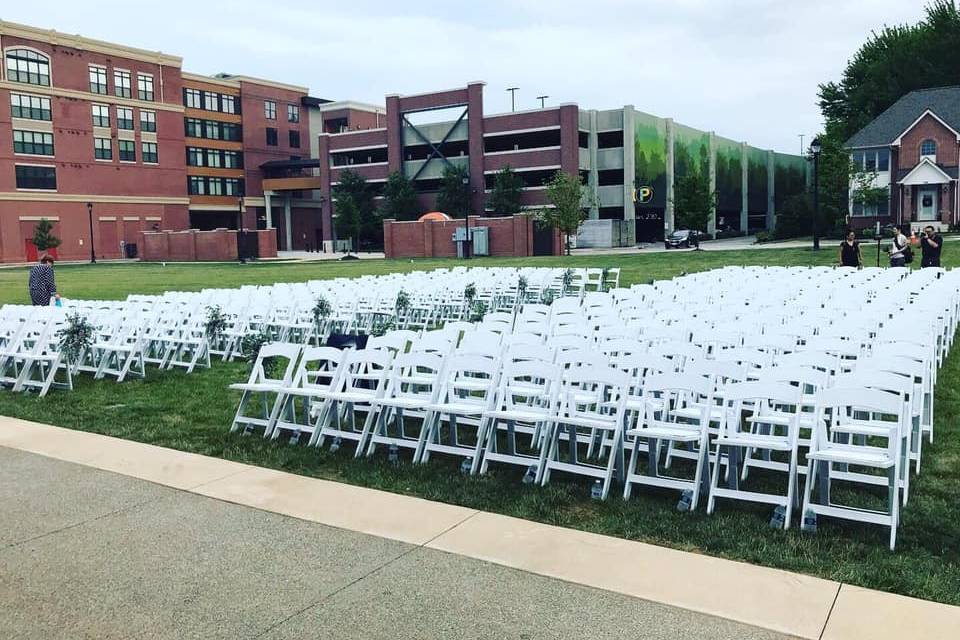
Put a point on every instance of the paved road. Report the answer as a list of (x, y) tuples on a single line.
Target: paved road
[(90, 554)]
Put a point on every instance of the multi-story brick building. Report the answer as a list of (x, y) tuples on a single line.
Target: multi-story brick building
[(93, 131), (913, 151)]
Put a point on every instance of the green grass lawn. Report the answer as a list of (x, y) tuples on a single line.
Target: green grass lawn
[(193, 413)]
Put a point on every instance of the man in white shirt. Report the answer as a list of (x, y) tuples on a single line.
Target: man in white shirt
[(900, 243)]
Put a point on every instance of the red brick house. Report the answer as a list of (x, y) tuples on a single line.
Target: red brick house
[(913, 148)]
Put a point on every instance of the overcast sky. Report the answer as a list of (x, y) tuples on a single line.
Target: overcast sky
[(746, 69)]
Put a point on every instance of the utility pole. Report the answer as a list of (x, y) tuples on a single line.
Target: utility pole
[(541, 99), (513, 92)]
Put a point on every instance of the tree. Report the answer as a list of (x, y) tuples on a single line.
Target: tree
[(566, 192), (794, 217), (399, 198), (886, 67), (347, 222), (692, 201), (505, 198), (43, 238), (881, 72), (454, 195), (354, 187)]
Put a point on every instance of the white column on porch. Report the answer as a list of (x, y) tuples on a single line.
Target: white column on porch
[(288, 221), (269, 209)]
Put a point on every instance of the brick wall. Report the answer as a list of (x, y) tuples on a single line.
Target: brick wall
[(928, 128), (188, 246), (508, 236)]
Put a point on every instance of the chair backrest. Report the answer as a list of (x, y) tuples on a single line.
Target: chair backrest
[(594, 393), (481, 342), (528, 384), (842, 404), (416, 375), (528, 353), (319, 368), (289, 353), (397, 341), (469, 380)]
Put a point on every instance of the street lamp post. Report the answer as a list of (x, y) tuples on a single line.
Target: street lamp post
[(542, 99), (815, 151), (239, 229), (93, 254), (466, 242)]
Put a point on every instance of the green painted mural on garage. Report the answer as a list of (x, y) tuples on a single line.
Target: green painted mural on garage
[(729, 177), (757, 187), (691, 151), (650, 146), (789, 177)]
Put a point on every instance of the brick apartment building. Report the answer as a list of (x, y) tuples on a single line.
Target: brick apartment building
[(913, 151), (123, 137), (92, 128)]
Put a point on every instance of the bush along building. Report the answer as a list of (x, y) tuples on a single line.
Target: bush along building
[(905, 163)]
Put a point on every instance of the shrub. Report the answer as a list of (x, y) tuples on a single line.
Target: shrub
[(763, 236)]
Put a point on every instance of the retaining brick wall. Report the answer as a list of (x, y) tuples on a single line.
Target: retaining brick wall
[(508, 236), (188, 246)]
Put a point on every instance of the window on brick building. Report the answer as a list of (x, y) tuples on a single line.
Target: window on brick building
[(149, 152), (145, 86), (148, 121), (122, 83), (124, 118), (30, 107), (228, 104), (27, 66), (270, 109), (928, 149), (102, 150), (191, 98), (196, 186), (101, 115), (293, 113), (271, 137), (127, 150), (32, 177), (232, 160), (37, 143), (98, 79), (295, 139), (210, 102)]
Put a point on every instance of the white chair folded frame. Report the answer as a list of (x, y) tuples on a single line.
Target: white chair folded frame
[(265, 384)]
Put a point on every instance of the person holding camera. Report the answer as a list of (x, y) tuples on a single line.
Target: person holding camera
[(931, 244), (898, 252)]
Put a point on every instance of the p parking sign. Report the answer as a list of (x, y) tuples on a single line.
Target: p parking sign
[(643, 194)]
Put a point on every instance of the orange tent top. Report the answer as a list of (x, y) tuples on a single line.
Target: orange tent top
[(433, 216)]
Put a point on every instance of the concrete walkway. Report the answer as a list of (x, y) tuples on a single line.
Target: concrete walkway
[(105, 538)]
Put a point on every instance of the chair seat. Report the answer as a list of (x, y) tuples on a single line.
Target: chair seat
[(456, 408), (856, 456), (347, 396), (776, 443), (667, 432), (257, 386), (402, 402), (694, 412), (581, 421), (521, 415)]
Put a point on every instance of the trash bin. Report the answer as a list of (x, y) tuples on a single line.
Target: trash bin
[(130, 249)]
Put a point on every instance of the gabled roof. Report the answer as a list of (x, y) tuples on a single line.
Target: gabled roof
[(926, 172), (944, 102)]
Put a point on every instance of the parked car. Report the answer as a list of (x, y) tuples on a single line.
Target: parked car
[(682, 238)]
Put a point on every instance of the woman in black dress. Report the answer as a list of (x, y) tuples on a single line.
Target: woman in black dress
[(850, 251), (42, 285)]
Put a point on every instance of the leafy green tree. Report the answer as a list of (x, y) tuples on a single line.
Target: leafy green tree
[(43, 238), (567, 193), (399, 198), (347, 222), (881, 72), (505, 197), (693, 201), (794, 217), (454, 195), (355, 188)]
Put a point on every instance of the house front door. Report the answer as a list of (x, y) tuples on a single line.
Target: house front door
[(927, 203)]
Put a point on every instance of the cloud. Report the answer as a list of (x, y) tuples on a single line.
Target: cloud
[(747, 69)]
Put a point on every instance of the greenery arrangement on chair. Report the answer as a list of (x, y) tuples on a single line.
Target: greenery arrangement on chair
[(548, 296), (478, 309), (522, 285), (250, 347), (382, 323), (469, 294), (321, 311), (215, 324), (75, 338), (566, 281), (402, 304), (603, 279)]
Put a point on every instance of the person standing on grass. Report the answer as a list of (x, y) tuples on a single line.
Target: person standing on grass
[(931, 243), (42, 285), (900, 244), (850, 255)]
